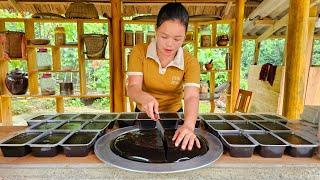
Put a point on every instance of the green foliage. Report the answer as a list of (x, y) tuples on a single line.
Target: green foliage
[(102, 103), (316, 53), (31, 105), (76, 102)]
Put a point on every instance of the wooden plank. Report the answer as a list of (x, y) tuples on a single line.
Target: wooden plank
[(237, 51), (32, 64), (295, 60), (309, 49), (313, 87), (211, 90), (279, 24), (56, 64), (256, 53), (59, 105), (16, 6), (81, 59), (226, 10), (118, 79), (264, 8), (6, 114)]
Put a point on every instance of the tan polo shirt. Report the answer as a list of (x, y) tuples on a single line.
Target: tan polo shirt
[(165, 84)]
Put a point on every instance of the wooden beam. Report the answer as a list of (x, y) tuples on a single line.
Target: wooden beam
[(314, 3), (313, 15), (276, 13), (235, 85), (118, 77), (256, 53), (264, 22), (279, 24), (81, 59), (295, 61), (16, 6), (264, 8), (226, 10)]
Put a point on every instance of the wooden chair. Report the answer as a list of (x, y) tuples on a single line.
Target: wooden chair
[(243, 101)]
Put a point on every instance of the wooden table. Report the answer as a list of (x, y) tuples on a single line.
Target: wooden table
[(90, 166)]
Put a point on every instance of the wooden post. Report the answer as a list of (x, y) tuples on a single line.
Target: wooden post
[(82, 70), (236, 60), (111, 94), (6, 111), (32, 64), (59, 105), (118, 100), (256, 53), (295, 61), (311, 24), (211, 90)]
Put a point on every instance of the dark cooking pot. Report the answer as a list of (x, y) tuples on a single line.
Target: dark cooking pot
[(17, 82)]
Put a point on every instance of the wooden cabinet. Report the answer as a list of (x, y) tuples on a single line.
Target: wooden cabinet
[(56, 51)]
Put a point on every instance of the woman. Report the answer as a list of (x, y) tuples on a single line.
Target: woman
[(161, 73)]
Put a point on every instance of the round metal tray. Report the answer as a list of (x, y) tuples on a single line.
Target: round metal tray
[(105, 154)]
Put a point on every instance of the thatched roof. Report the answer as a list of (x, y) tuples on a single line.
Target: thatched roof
[(130, 7), (260, 14)]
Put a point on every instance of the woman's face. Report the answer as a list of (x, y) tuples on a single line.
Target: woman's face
[(170, 36)]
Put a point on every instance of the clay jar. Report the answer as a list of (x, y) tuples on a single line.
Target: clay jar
[(205, 40), (128, 38), (17, 82), (222, 40), (66, 88), (139, 37)]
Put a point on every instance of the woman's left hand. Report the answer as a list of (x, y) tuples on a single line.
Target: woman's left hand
[(185, 135)]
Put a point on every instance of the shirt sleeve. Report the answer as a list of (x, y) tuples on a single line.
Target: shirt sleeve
[(192, 73), (135, 63)]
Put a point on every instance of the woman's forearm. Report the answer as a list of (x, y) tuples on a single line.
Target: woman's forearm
[(191, 108)]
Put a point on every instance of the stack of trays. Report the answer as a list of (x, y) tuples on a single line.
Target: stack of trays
[(267, 134), (75, 134)]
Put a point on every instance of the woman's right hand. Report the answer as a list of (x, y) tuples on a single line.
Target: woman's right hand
[(150, 105)]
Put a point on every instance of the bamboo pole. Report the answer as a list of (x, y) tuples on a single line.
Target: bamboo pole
[(118, 100), (311, 25), (237, 52), (295, 61)]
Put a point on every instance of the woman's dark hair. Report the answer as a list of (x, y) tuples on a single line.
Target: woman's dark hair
[(173, 11)]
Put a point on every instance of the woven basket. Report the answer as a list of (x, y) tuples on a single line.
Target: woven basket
[(82, 10), (95, 45), (14, 44)]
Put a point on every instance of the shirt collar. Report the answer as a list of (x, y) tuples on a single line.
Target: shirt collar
[(178, 60)]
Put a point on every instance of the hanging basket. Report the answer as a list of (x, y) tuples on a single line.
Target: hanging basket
[(82, 10), (95, 45)]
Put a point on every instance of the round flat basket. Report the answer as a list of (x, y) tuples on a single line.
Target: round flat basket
[(39, 41), (104, 153)]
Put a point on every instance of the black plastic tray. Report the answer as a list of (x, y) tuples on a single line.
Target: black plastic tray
[(298, 145), (182, 116), (70, 126), (169, 115), (39, 118), (95, 125), (181, 122), (238, 144), (275, 117), (219, 127), (45, 125), (232, 117), (47, 144), (247, 126), (211, 117), (13, 147), (63, 117), (252, 117), (84, 117), (79, 143), (107, 117), (273, 126), (270, 145)]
